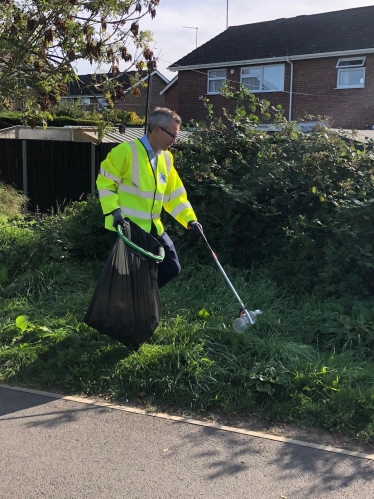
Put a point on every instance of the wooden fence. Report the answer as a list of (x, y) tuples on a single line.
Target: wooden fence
[(51, 173)]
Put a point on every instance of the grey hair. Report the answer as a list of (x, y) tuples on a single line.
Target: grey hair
[(162, 116)]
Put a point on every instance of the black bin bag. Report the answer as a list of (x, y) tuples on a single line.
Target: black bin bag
[(126, 303)]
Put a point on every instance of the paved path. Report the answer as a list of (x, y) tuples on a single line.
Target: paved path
[(59, 449)]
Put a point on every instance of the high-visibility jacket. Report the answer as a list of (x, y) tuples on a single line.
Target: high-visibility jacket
[(128, 181)]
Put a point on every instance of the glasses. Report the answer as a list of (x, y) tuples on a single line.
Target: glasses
[(174, 137)]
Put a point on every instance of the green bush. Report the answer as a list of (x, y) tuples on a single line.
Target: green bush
[(299, 202), (77, 232), (71, 114), (81, 112)]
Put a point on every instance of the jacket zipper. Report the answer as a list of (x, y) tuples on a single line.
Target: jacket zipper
[(155, 177), (154, 194)]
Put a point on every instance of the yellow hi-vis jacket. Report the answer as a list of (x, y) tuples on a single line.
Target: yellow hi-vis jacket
[(127, 181)]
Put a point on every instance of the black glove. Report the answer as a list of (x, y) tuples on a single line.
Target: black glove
[(117, 218), (195, 227)]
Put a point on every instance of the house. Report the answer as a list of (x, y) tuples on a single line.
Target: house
[(170, 93), (84, 92), (320, 65)]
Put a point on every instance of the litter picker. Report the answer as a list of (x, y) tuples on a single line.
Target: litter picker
[(246, 317)]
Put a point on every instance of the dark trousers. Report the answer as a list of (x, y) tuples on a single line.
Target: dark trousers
[(170, 266)]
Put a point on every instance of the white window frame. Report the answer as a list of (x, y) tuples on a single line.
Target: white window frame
[(351, 67), (215, 78), (262, 77)]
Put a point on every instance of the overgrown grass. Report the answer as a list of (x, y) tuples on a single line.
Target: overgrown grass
[(195, 364), (11, 202), (307, 360)]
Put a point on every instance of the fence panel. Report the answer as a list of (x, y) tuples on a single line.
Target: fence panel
[(11, 162), (58, 172), (102, 151)]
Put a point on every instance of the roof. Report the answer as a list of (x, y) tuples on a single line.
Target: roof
[(130, 133), (78, 133), (356, 135), (170, 84), (330, 32), (66, 134), (80, 87)]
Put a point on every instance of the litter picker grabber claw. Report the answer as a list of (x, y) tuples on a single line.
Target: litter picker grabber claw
[(246, 317)]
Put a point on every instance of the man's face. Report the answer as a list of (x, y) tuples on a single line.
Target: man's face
[(166, 136)]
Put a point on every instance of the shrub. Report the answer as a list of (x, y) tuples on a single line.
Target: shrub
[(72, 114), (77, 232), (300, 202)]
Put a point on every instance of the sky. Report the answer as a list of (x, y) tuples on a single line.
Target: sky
[(173, 41)]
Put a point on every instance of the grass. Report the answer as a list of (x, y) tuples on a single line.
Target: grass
[(306, 361), (11, 202), (194, 364)]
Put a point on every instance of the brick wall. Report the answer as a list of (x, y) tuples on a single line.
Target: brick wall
[(314, 93), (346, 108), (193, 84), (171, 97)]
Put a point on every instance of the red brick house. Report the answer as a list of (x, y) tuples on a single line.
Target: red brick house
[(170, 93), (321, 65), (84, 92)]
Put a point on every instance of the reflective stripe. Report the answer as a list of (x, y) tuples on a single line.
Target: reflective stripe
[(142, 194), (105, 192), (106, 174), (167, 161), (135, 164), (179, 208), (175, 194), (139, 214), (129, 189)]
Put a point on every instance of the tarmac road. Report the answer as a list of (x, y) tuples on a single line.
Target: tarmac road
[(60, 449)]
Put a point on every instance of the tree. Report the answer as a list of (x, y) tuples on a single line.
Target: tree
[(41, 42)]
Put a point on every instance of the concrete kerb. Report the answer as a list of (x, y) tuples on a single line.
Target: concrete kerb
[(191, 421)]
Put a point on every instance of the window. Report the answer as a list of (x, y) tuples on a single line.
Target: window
[(84, 101), (351, 73), (216, 80), (263, 78), (102, 102)]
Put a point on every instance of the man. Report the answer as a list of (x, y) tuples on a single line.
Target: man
[(138, 179)]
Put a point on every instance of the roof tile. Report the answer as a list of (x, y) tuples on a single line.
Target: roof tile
[(350, 29)]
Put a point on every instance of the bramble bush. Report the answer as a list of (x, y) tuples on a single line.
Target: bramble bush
[(299, 202)]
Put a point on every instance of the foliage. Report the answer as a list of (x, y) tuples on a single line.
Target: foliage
[(299, 202), (75, 232), (198, 364), (354, 330), (74, 115), (41, 43), (290, 212), (76, 110), (12, 202)]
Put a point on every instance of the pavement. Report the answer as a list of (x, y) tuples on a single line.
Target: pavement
[(62, 449)]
